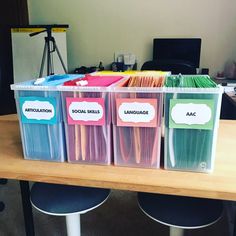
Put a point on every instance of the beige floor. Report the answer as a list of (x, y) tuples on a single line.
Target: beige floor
[(119, 216)]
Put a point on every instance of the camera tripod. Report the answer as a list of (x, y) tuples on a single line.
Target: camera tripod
[(50, 47)]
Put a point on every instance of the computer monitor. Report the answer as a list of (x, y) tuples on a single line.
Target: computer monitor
[(186, 49)]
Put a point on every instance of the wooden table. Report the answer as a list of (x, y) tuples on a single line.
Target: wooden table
[(221, 184)]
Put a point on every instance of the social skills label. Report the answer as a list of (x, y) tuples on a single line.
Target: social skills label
[(191, 113), (38, 110), (85, 111), (138, 112)]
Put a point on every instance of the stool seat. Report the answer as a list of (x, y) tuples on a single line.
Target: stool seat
[(56, 199), (180, 212)]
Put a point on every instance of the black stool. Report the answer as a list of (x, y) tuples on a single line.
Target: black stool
[(68, 201), (180, 212)]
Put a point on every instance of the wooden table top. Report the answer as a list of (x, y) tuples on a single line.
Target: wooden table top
[(221, 184)]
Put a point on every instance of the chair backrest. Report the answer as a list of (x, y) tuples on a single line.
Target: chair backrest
[(175, 66)]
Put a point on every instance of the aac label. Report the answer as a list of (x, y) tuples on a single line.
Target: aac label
[(191, 113)]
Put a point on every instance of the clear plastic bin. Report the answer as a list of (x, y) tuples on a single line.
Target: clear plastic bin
[(191, 125), (87, 115), (136, 118), (40, 117)]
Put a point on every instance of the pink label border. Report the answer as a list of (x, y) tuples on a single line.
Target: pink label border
[(100, 101), (152, 123)]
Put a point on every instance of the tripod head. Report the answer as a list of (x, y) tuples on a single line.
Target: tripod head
[(49, 48), (48, 29)]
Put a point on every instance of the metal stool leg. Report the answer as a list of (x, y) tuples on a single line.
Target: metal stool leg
[(27, 208), (73, 225), (2, 206), (235, 224), (176, 231)]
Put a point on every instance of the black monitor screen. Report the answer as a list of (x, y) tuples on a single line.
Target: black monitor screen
[(187, 49)]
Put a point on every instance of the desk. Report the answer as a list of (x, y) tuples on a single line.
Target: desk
[(232, 98), (228, 108), (221, 184)]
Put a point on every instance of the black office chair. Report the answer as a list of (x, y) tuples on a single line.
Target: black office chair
[(174, 66)]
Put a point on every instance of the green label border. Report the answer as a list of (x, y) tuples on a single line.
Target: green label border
[(207, 126)]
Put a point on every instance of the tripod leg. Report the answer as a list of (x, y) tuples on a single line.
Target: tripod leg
[(59, 55), (50, 67), (43, 60)]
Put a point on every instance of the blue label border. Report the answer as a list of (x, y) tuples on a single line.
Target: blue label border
[(51, 100)]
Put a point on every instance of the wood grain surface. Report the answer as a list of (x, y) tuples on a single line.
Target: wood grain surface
[(221, 184)]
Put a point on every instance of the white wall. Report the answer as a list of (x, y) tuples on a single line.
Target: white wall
[(98, 28)]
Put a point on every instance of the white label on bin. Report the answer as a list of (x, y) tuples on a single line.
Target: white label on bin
[(136, 112), (38, 110), (190, 113), (85, 111)]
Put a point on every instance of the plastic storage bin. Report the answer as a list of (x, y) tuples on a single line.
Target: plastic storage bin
[(136, 118), (191, 123), (40, 117), (87, 115)]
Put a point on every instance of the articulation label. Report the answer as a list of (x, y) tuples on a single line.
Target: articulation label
[(38, 110), (191, 113), (138, 112), (85, 111)]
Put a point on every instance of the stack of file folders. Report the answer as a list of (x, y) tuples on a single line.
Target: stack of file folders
[(192, 109), (40, 115), (87, 115), (137, 111), (92, 118)]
